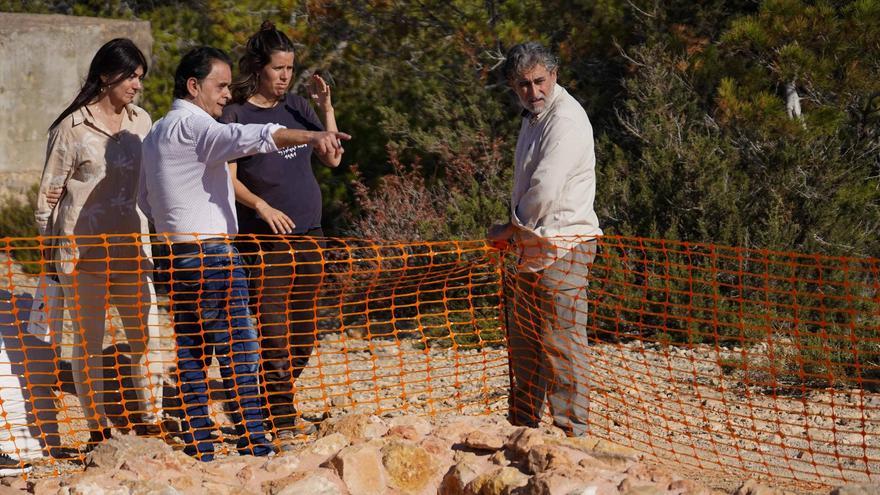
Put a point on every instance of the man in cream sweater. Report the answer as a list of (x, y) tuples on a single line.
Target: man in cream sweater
[(554, 228)]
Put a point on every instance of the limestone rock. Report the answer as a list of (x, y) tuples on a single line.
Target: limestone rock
[(522, 440), (435, 445), (355, 427), (598, 447), (687, 486), (456, 428), (752, 487), (644, 490), (482, 440), (404, 431), (871, 489), (410, 468), (134, 450), (500, 482), (561, 482), (362, 454), (12, 484), (646, 473), (328, 445), (421, 426), (316, 482), (607, 461), (360, 467), (47, 485), (282, 465), (546, 457), (94, 488), (498, 458), (151, 487), (468, 467)]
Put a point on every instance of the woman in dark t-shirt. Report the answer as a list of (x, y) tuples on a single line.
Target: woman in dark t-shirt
[(277, 193)]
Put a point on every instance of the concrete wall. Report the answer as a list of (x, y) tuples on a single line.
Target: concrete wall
[(43, 61)]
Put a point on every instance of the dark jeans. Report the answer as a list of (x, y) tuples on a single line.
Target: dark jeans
[(285, 278), (209, 295)]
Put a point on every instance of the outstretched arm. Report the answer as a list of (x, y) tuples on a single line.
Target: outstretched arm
[(220, 143)]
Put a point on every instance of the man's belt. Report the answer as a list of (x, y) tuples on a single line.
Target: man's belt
[(189, 248)]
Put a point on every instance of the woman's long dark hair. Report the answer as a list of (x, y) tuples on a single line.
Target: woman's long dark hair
[(118, 59), (258, 53)]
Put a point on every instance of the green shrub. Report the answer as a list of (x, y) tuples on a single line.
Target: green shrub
[(17, 229)]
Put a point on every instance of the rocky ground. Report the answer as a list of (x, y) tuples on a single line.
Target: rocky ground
[(362, 454), (689, 429)]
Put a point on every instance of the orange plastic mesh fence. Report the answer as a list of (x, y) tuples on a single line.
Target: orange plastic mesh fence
[(396, 328), (748, 362)]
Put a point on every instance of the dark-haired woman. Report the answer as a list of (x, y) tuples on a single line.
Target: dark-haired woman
[(94, 157), (277, 193)]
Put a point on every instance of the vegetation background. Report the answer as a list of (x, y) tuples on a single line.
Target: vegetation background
[(695, 141)]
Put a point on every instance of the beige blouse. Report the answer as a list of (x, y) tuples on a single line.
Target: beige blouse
[(99, 172)]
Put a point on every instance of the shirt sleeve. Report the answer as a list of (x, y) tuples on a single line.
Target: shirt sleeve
[(314, 122), (142, 201), (60, 159), (564, 147), (218, 143)]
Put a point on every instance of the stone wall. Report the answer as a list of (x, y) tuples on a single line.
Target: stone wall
[(43, 61)]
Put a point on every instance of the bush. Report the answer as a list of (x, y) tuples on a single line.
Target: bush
[(17, 230)]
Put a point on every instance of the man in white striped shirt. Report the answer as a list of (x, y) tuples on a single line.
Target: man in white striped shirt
[(186, 190)]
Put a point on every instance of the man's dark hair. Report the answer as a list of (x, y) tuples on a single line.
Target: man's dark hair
[(524, 56), (196, 63)]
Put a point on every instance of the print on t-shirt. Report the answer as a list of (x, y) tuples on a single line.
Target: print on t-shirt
[(289, 153)]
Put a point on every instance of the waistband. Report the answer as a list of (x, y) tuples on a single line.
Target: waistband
[(185, 248)]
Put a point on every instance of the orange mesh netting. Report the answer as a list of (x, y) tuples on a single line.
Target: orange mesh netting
[(748, 362)]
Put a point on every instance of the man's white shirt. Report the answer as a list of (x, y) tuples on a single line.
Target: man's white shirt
[(554, 182), (185, 183)]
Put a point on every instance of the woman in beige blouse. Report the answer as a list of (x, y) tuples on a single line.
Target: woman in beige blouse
[(94, 156)]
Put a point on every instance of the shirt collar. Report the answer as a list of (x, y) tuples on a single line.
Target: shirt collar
[(82, 114), (190, 107)]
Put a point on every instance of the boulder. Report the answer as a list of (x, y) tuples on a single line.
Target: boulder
[(360, 468), (483, 440), (410, 468), (355, 427), (499, 482), (522, 440), (565, 482), (863, 489), (467, 467), (547, 457), (315, 482), (752, 487)]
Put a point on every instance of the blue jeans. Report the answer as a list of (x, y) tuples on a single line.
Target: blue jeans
[(210, 294)]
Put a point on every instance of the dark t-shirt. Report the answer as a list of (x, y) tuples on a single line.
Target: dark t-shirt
[(284, 178)]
